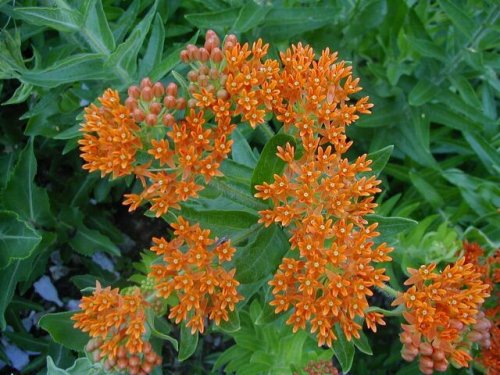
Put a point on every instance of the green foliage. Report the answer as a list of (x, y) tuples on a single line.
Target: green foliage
[(428, 66)]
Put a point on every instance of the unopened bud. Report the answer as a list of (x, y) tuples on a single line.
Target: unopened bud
[(192, 75), (138, 115), (438, 355), (172, 89), (216, 55), (181, 103), (192, 103), (155, 108), (158, 89), (168, 119), (222, 94), (204, 54), (169, 102), (425, 348), (134, 92), (146, 82), (147, 94), (131, 103), (184, 56), (151, 119), (441, 366)]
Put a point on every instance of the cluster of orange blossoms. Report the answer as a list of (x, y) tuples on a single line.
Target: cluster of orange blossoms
[(320, 196), (488, 267), (191, 268), (118, 325), (442, 311)]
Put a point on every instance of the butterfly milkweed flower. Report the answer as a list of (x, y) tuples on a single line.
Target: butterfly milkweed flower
[(117, 324), (442, 312), (322, 198), (191, 269)]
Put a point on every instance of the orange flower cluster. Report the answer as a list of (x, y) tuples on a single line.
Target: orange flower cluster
[(323, 199), (442, 310), (110, 140), (488, 267), (117, 324), (192, 270)]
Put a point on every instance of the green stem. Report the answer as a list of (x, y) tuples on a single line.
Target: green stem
[(396, 312), (237, 195), (391, 292)]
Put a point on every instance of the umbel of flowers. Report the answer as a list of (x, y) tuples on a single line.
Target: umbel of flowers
[(173, 140)]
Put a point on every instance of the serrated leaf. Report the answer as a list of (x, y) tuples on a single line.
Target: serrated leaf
[(269, 163), (17, 238), (261, 257), (344, 350), (250, 16), (29, 201), (188, 343), (60, 327), (421, 93)]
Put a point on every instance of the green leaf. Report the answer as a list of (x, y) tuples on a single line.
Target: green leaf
[(27, 342), (261, 257), (426, 190), (421, 93), (87, 241), (17, 238), (80, 67), (344, 350), (29, 201), (80, 366), (8, 280), (442, 115), (362, 344), (459, 19), (154, 49), (221, 19), (61, 19), (379, 159), (427, 48), (488, 155), (233, 324), (158, 329), (269, 163), (60, 327), (241, 151), (188, 343), (171, 61), (390, 227), (20, 95), (250, 16), (96, 29)]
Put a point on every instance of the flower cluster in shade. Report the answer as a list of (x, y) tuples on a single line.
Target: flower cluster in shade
[(489, 268), (191, 269), (117, 325), (322, 198), (442, 311)]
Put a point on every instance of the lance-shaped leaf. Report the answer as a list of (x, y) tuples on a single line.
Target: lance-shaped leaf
[(61, 329)]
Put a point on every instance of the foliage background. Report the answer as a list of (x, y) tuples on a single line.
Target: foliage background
[(430, 68)]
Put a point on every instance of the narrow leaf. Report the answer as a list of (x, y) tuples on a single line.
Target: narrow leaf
[(188, 343), (344, 350), (250, 16)]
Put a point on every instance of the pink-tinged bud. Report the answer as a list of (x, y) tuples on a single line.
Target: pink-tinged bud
[(192, 75), (145, 368), (172, 89), (209, 44), (134, 92), (155, 108), (213, 73), (231, 39), (131, 103), (168, 119), (486, 343), (192, 103), (438, 355), (203, 80), (106, 366), (405, 338), (147, 94), (210, 34), (192, 88), (474, 336), (122, 363), (151, 119), (425, 370), (193, 52), (181, 103), (407, 356), (203, 70), (425, 348), (139, 115), (211, 88), (158, 89), (223, 79), (146, 82), (222, 94), (441, 366), (133, 370), (169, 102), (426, 361), (204, 54), (184, 56), (96, 355), (216, 55), (458, 325), (482, 325)]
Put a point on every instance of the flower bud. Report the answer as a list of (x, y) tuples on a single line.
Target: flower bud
[(184, 56), (438, 355), (134, 92), (131, 103), (146, 82), (138, 115), (192, 75), (204, 54), (147, 94), (168, 119), (151, 119), (441, 366), (192, 103), (425, 348), (158, 89), (172, 89), (216, 55), (222, 94), (155, 108), (169, 102), (181, 103)]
